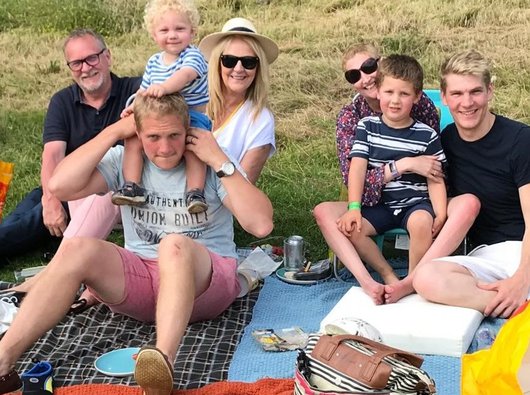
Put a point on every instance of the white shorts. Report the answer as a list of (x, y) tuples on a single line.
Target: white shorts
[(489, 263)]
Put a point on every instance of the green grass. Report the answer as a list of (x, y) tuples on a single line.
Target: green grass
[(307, 87)]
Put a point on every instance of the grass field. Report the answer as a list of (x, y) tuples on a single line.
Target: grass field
[(307, 87)]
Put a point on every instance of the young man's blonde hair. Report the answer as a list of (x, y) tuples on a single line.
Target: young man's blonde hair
[(257, 92), (149, 107), (365, 48), (401, 67), (155, 8), (470, 62)]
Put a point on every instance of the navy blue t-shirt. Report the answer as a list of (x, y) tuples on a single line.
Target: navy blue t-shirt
[(69, 119), (492, 168)]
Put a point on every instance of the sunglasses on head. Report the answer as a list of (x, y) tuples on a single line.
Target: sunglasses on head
[(248, 62), (368, 67)]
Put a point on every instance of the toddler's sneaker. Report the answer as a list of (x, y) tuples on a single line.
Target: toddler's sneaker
[(195, 201), (38, 380), (129, 194)]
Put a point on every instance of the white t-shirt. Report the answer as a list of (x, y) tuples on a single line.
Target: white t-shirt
[(165, 211), (240, 133)]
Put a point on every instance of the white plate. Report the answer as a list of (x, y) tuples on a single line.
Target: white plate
[(118, 363), (287, 276)]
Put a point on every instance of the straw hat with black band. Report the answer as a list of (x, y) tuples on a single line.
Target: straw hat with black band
[(241, 27)]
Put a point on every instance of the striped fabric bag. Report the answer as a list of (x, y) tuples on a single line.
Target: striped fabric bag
[(349, 365)]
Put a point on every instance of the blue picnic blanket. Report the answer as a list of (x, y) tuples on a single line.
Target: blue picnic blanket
[(281, 305)]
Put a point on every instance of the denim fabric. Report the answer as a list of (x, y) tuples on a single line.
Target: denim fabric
[(23, 229)]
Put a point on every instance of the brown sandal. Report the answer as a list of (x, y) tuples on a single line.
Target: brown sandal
[(10, 382), (153, 372)]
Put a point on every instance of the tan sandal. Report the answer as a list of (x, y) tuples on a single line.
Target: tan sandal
[(153, 372)]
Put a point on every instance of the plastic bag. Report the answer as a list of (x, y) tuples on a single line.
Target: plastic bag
[(505, 367), (256, 266), (7, 315), (6, 175)]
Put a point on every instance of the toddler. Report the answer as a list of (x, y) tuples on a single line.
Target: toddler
[(179, 67)]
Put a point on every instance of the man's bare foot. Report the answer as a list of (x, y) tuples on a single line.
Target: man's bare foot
[(376, 291), (396, 291)]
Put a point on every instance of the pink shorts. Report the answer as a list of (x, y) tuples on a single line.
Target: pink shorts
[(142, 281)]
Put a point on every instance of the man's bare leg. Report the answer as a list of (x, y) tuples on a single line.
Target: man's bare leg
[(451, 284), (185, 272), (80, 260)]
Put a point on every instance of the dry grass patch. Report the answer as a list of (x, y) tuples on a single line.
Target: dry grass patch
[(307, 85)]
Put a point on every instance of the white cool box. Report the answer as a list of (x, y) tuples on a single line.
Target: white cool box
[(412, 324)]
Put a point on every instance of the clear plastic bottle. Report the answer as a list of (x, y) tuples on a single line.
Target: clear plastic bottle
[(485, 338)]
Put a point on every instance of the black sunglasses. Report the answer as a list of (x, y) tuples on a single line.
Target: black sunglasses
[(368, 67), (91, 60), (248, 62)]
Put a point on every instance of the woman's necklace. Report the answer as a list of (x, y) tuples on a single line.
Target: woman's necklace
[(225, 118)]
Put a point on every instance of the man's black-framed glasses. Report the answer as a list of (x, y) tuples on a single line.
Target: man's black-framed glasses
[(248, 62), (91, 60), (368, 67)]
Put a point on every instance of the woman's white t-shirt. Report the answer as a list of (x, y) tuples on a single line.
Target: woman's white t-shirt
[(241, 133)]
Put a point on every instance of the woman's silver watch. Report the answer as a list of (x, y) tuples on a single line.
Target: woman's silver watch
[(227, 169)]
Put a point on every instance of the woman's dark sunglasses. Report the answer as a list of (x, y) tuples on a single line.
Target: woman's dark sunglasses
[(368, 67), (248, 62)]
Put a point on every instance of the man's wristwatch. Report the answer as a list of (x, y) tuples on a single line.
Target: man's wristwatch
[(227, 169)]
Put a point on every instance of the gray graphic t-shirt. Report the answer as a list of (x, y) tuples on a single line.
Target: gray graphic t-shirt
[(165, 209)]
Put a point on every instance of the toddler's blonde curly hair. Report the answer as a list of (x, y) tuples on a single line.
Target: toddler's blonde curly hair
[(156, 8)]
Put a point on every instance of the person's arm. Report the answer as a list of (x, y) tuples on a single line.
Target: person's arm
[(351, 220), (513, 291), (254, 160), (438, 197), (250, 206), (178, 80), (345, 131), (54, 216), (77, 176), (427, 166)]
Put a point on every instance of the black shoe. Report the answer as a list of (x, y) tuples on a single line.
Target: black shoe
[(38, 380), (195, 201), (130, 194)]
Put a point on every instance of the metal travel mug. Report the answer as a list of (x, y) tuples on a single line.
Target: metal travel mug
[(293, 253)]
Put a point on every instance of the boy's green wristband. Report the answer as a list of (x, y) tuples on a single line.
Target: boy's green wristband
[(354, 206)]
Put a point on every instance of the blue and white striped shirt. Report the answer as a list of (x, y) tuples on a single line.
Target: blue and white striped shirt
[(195, 93), (380, 144)]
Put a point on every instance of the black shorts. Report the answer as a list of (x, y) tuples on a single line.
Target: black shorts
[(384, 218)]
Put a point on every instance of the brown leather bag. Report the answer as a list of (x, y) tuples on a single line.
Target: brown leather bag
[(360, 364)]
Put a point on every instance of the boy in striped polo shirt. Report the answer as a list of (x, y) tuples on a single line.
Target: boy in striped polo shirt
[(180, 67), (408, 201)]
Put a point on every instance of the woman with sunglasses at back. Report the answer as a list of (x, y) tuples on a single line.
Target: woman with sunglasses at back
[(359, 63), (238, 83)]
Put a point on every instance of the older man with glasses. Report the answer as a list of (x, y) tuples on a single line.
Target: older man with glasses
[(75, 115)]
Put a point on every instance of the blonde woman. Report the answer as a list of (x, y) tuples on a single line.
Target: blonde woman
[(238, 83)]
